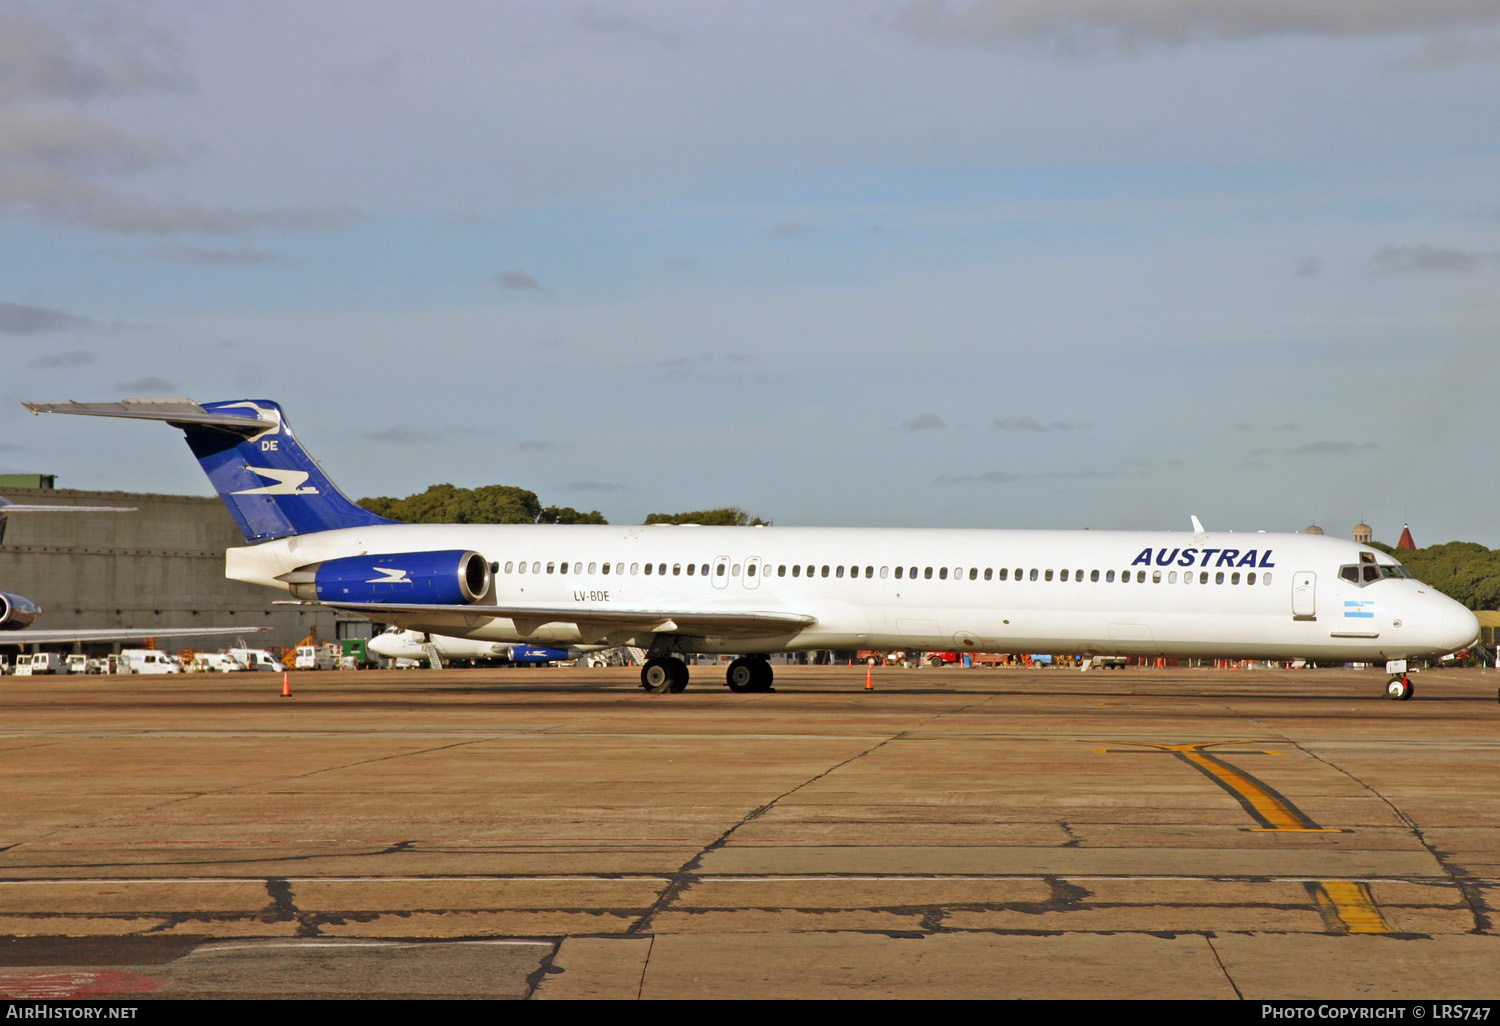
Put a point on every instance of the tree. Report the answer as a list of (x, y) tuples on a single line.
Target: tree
[(1466, 572), (726, 516), (487, 504)]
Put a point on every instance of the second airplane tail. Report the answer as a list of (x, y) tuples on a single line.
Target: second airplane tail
[(272, 487)]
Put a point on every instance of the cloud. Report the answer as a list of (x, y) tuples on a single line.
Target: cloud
[(19, 319), (147, 384), (923, 422), (593, 486), (613, 23), (96, 52), (71, 358), (1311, 267), (1423, 259), (518, 281), (1320, 448), (1008, 477), (1130, 26), (243, 256), (1028, 423), (402, 435), (789, 229)]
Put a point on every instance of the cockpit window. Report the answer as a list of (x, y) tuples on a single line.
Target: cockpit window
[(1368, 573)]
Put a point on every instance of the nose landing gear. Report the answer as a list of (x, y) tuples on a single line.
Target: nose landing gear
[(1398, 689)]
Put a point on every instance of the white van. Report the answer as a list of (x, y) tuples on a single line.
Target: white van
[(257, 659), (217, 662), (34, 663), (148, 660), (317, 657), (76, 663)]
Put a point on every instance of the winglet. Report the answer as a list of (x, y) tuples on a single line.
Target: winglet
[(1197, 525)]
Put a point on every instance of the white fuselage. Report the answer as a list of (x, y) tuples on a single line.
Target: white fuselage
[(402, 644), (1254, 595)]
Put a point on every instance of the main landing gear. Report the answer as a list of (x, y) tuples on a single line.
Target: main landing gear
[(1398, 689), (664, 673), (749, 673)]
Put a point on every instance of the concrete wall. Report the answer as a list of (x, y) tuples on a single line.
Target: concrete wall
[(161, 566)]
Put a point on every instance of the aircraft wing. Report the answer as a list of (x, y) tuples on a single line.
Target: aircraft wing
[(30, 637), (592, 622)]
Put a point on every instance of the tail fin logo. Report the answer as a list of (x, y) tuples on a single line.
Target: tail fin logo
[(261, 413), (288, 482)]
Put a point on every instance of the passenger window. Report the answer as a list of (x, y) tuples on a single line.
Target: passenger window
[(898, 572), (690, 568), (1005, 573), (1266, 579), (1203, 577), (838, 571), (1049, 575), (942, 573), (1094, 576), (927, 574), (1109, 577), (825, 570), (1140, 577), (578, 568), (749, 569), (1033, 574), (973, 573), (648, 569), (1078, 576), (1063, 576), (870, 572), (1234, 578), (1250, 578), (634, 568), (1155, 576), (509, 566), (734, 570), (989, 573), (781, 570), (676, 569), (551, 567), (593, 567), (1172, 577), (797, 570), (885, 572), (1219, 577), (605, 568)]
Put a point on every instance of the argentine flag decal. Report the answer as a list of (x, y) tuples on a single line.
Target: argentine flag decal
[(1360, 608)]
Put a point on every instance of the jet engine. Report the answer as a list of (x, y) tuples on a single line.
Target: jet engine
[(449, 578), (16, 612)]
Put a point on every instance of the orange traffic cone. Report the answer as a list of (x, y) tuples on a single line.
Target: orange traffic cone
[(870, 676), (286, 684)]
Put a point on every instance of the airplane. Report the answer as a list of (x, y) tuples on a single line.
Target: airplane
[(753, 591), (396, 643), (18, 613)]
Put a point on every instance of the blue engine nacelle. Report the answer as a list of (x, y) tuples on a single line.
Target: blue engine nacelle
[(534, 654), (448, 578), (16, 612)]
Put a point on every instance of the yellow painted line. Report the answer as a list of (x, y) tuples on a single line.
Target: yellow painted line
[(1350, 906)]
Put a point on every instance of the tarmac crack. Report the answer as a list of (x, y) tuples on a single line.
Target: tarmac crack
[(1228, 978), (1471, 890)]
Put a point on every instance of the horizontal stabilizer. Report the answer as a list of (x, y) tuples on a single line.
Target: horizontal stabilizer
[(173, 411)]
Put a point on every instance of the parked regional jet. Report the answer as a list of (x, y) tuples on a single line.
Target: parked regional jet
[(396, 643), (752, 591), (17, 612)]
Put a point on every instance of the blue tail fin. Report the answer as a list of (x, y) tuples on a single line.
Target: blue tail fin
[(272, 487)]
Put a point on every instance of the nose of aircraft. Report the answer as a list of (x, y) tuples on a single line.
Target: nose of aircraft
[(1460, 628)]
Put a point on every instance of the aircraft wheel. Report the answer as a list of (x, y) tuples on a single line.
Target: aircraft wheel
[(657, 675), (741, 676), (679, 672), (764, 675), (1398, 689)]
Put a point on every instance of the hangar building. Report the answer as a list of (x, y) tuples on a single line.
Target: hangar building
[(161, 566)]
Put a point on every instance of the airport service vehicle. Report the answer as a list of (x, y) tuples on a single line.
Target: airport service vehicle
[(316, 657), (148, 660), (256, 659), (76, 663), (217, 662), (36, 663), (754, 591)]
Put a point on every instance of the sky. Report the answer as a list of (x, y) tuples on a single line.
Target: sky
[(929, 263)]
